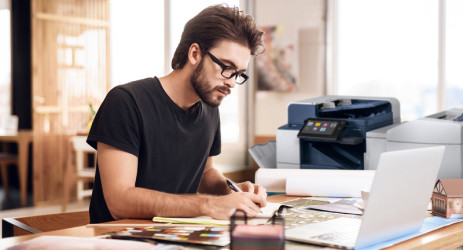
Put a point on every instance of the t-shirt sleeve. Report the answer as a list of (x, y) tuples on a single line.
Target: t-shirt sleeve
[(117, 123), (217, 143)]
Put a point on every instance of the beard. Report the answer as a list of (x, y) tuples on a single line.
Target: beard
[(204, 89)]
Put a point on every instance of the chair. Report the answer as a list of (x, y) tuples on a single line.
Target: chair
[(78, 170), (5, 160)]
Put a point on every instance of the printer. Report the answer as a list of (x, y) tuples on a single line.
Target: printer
[(442, 128), (329, 132)]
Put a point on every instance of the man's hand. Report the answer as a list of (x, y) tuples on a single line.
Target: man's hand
[(221, 207), (255, 189)]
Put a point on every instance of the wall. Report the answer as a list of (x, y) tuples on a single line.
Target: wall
[(303, 21)]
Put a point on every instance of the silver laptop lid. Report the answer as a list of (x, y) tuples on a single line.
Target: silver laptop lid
[(390, 214)]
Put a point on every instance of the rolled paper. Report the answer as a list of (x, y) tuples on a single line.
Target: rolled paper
[(316, 182)]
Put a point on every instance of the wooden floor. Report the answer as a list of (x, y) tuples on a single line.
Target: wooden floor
[(11, 207)]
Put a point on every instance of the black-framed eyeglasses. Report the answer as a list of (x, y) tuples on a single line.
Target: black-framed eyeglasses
[(229, 72)]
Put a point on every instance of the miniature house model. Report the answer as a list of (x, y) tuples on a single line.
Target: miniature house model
[(447, 197)]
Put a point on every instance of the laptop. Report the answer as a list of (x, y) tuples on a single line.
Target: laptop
[(397, 203)]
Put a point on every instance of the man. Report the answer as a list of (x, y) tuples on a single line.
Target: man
[(156, 137)]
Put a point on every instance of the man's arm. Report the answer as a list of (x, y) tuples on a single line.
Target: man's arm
[(118, 172), (213, 182)]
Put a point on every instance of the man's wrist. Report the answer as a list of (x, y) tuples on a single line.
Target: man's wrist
[(205, 202)]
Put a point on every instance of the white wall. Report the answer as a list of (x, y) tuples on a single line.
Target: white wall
[(303, 20)]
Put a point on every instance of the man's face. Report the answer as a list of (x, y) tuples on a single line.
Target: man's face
[(207, 79)]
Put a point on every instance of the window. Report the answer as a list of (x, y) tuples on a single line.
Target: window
[(137, 42), (141, 49), (453, 54), (5, 61), (395, 48)]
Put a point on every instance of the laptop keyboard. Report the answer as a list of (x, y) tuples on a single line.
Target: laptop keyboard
[(347, 235), (342, 237), (340, 232)]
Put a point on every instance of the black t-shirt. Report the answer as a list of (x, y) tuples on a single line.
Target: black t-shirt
[(172, 145)]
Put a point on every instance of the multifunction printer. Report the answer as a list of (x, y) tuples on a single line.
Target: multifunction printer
[(442, 128), (329, 132)]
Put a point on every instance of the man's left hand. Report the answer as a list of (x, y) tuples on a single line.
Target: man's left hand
[(253, 188)]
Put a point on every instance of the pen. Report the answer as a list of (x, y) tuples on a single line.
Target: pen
[(233, 186)]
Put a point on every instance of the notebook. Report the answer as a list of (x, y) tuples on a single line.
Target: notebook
[(397, 204)]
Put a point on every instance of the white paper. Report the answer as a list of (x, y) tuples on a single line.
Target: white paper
[(330, 183), (67, 242), (274, 180), (265, 154), (315, 182)]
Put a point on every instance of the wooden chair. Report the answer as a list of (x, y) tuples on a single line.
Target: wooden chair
[(5, 160), (77, 170), (43, 223)]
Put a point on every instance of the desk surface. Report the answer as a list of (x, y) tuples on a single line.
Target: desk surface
[(448, 237)]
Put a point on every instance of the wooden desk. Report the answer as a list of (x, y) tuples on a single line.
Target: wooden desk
[(448, 237), (28, 225), (23, 138)]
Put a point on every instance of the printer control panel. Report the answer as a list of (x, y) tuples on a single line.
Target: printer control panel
[(321, 129), (327, 130)]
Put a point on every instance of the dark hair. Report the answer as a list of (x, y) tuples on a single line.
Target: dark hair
[(215, 23)]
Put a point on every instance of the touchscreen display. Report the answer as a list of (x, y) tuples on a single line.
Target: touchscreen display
[(322, 128)]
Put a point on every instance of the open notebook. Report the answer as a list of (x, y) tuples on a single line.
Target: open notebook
[(261, 218)]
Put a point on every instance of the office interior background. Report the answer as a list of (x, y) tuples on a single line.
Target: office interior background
[(408, 49)]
